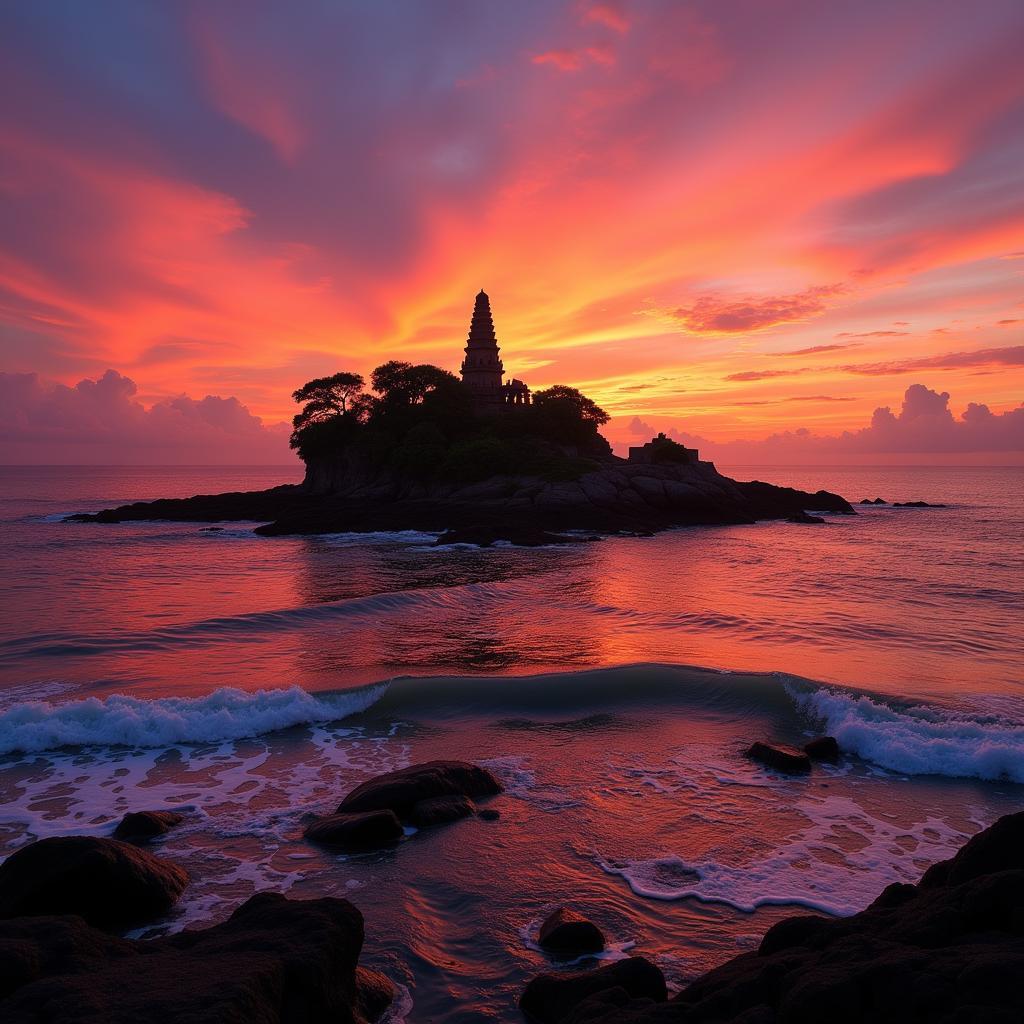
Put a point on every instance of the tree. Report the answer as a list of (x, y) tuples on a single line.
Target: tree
[(328, 401), (401, 383), (570, 402)]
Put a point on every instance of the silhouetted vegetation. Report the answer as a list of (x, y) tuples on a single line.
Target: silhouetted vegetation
[(419, 421), (666, 451)]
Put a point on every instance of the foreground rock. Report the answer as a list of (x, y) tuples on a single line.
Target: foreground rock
[(275, 961), (780, 756), (105, 881), (823, 748), (949, 950), (567, 935), (400, 791), (551, 998), (616, 496), (521, 537), (360, 831), (141, 826)]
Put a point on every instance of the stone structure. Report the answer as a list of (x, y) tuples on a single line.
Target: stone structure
[(482, 371), (661, 450)]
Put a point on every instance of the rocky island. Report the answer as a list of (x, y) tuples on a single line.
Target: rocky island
[(481, 457)]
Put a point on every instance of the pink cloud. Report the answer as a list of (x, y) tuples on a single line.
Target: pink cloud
[(102, 422), (712, 314)]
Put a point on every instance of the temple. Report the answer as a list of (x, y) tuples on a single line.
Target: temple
[(482, 371)]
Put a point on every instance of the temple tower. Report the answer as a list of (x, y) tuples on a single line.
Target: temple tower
[(482, 371)]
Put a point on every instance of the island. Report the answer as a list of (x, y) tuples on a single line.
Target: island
[(478, 458)]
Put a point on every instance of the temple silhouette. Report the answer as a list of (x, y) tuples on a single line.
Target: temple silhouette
[(482, 371)]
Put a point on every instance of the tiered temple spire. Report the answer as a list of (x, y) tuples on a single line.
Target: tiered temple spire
[(482, 371)]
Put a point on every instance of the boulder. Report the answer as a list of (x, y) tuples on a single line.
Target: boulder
[(274, 961), (139, 826), (805, 518), (105, 881), (489, 813), (356, 831), (780, 756), (437, 810), (567, 935), (822, 748), (551, 998), (374, 994), (400, 791)]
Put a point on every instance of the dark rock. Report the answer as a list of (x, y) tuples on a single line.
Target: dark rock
[(915, 504), (400, 791), (804, 517), (437, 810), (356, 831), (138, 826), (877, 501), (275, 961), (551, 998), (567, 935), (780, 756), (823, 748), (947, 951), (489, 813), (374, 994), (105, 881), (520, 536)]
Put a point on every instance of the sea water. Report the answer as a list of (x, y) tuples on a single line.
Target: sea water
[(251, 682)]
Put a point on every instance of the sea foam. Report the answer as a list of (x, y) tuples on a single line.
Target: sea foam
[(919, 740), (119, 720)]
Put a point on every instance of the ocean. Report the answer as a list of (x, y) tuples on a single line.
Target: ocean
[(252, 682)]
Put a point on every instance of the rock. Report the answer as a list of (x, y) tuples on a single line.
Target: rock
[(877, 501), (400, 791), (438, 810), (824, 748), (489, 813), (567, 935), (374, 994), (804, 517), (780, 756), (949, 950), (105, 881), (356, 831), (274, 961), (138, 826), (551, 998), (915, 504)]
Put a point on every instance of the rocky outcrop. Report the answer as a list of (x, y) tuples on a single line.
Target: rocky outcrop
[(822, 748), (566, 934), (780, 756), (949, 950), (105, 881), (360, 831), (521, 537), (275, 961), (141, 826), (617, 497)]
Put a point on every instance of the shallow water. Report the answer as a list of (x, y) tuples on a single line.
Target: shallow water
[(898, 630)]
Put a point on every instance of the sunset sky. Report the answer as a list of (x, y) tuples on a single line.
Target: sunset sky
[(727, 219)]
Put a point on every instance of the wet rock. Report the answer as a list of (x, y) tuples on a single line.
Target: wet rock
[(567, 935), (520, 536), (915, 504), (823, 748), (780, 756), (374, 994), (489, 813), (140, 826), (804, 517), (356, 831), (105, 881), (551, 998), (438, 810), (274, 961), (400, 791)]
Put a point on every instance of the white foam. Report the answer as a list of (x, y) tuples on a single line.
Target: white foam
[(120, 720), (814, 868), (919, 740)]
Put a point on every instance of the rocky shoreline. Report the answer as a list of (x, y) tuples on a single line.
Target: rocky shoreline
[(949, 949), (619, 497)]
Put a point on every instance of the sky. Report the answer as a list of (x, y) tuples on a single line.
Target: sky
[(786, 230)]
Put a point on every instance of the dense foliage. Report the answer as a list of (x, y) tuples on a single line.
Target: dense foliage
[(419, 421)]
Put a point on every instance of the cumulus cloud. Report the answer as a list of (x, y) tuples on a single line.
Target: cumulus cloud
[(102, 421), (713, 314), (924, 426)]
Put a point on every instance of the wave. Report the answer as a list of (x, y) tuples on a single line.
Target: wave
[(920, 739), (226, 714)]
